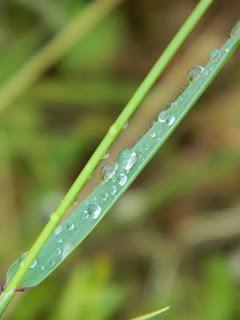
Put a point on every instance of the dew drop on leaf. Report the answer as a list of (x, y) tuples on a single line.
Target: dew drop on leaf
[(113, 190), (122, 179), (94, 210), (127, 158), (215, 54), (70, 226), (194, 73), (58, 251), (58, 230), (33, 265), (108, 170)]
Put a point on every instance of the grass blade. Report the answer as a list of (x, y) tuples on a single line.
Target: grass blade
[(151, 315), (129, 165)]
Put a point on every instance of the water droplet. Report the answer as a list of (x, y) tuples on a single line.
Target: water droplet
[(58, 230), (166, 117), (215, 54), (236, 29), (194, 73), (125, 126), (105, 196), (108, 170), (153, 135), (54, 216), (163, 116), (60, 241), (75, 203), (127, 158), (171, 120), (70, 226), (33, 265), (66, 250), (94, 210), (122, 179), (105, 156), (42, 268), (85, 215), (59, 251), (113, 190)]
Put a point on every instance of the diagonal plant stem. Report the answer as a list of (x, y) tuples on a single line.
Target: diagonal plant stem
[(110, 137), (61, 44)]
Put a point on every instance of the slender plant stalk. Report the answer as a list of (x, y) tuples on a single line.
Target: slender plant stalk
[(63, 42), (110, 137)]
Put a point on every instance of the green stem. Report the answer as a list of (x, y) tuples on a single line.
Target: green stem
[(110, 137), (63, 42)]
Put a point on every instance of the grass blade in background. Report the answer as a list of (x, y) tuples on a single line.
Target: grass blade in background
[(122, 173), (151, 315)]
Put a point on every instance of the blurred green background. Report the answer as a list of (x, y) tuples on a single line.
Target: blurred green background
[(174, 237)]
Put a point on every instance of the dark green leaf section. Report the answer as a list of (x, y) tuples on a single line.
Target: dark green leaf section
[(89, 213)]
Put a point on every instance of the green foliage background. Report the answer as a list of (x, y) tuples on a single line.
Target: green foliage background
[(174, 237)]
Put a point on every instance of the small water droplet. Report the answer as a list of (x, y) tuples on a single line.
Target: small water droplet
[(70, 226), (75, 203), (113, 190), (33, 265), (163, 116), (215, 54), (153, 135), (42, 268), (122, 179), (108, 170), (105, 196), (60, 241), (127, 158), (171, 120), (236, 29), (58, 230), (85, 215), (105, 156), (58, 251), (66, 250), (94, 210), (194, 73)]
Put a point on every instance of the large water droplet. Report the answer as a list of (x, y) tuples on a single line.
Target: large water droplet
[(33, 265), (42, 268), (127, 158), (58, 230), (236, 29), (108, 170), (94, 210), (66, 250), (215, 54), (122, 179), (70, 226), (194, 73)]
